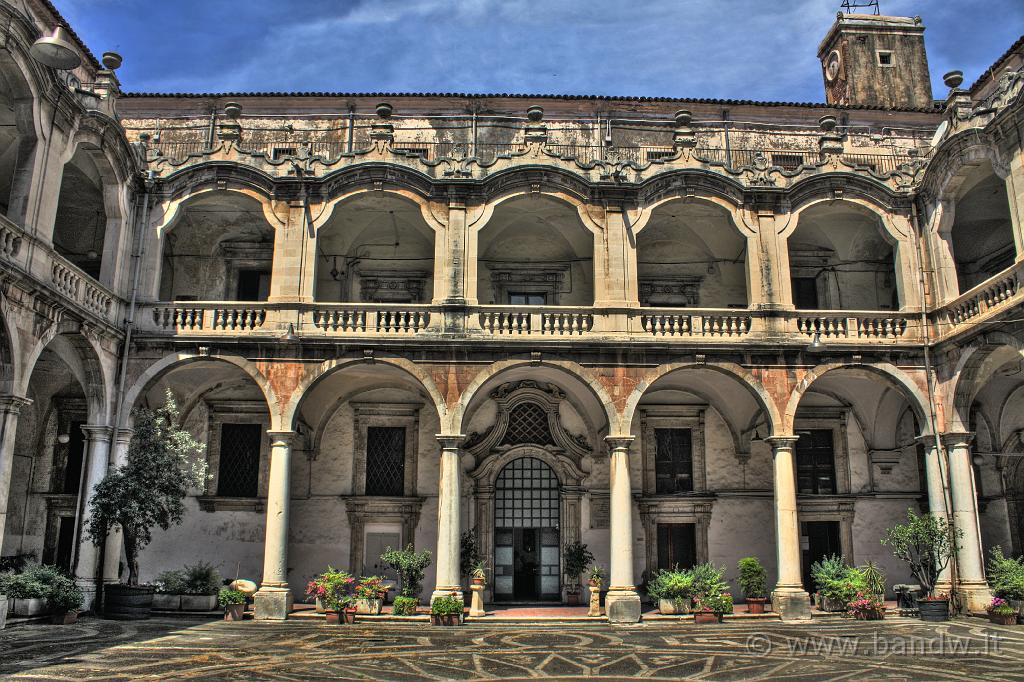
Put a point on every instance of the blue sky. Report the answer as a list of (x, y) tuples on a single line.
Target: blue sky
[(743, 49)]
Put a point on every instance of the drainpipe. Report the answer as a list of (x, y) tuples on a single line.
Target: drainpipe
[(211, 134), (351, 125), (947, 503), (728, 146)]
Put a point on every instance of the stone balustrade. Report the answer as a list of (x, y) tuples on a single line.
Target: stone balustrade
[(702, 323), (847, 325), (995, 295), (366, 318), (547, 321)]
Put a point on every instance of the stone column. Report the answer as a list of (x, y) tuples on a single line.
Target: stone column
[(10, 407), (789, 599), (448, 519), (970, 564), (936, 495), (115, 542), (97, 444), (273, 601), (622, 603)]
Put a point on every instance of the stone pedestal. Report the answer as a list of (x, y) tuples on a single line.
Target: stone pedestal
[(622, 606), (272, 604), (595, 602), (476, 605)]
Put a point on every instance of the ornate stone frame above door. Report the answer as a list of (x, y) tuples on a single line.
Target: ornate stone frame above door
[(405, 415), (363, 510), (533, 278), (830, 508), (673, 509), (673, 417)]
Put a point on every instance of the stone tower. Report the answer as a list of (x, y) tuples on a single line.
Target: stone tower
[(876, 61)]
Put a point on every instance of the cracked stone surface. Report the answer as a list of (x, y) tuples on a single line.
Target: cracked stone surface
[(163, 649)]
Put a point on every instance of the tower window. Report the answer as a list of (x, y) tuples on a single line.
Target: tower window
[(884, 58)]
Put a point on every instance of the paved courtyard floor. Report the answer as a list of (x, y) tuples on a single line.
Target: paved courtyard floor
[(166, 649)]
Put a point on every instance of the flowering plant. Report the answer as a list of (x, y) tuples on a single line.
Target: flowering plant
[(371, 587), (1001, 607), (715, 603), (332, 588), (865, 607)]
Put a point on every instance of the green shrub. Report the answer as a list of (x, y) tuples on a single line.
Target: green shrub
[(575, 559), (715, 603), (753, 578), (410, 565), (874, 578), (229, 597), (446, 606), (333, 588), (671, 585), (35, 582), (1005, 575), (708, 580), (405, 606), (202, 578), (171, 582), (845, 589), (830, 569), (65, 595)]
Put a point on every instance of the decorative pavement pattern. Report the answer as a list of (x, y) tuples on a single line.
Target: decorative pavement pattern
[(163, 649)]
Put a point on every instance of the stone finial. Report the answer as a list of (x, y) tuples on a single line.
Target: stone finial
[(535, 114), (111, 60), (536, 131), (953, 79), (384, 110), (383, 129), (683, 135)]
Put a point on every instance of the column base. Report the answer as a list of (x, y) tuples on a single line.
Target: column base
[(622, 605), (973, 597), (447, 592), (272, 603), (791, 605)]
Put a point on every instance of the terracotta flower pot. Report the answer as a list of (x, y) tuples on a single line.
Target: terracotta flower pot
[(448, 619), (706, 618), (1001, 619), (333, 617), (755, 604), (64, 618), (479, 581), (234, 612)]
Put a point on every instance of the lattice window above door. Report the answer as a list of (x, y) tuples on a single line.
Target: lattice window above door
[(239, 471), (385, 460), (528, 423)]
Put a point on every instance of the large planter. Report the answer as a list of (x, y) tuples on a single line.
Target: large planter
[(933, 610), (999, 619), (127, 602), (449, 619), (198, 602), (1018, 606), (64, 618), (675, 607), (878, 614), (320, 606), (706, 618), (166, 602), (30, 607), (755, 605), (830, 605), (369, 607), (234, 612), (3, 611)]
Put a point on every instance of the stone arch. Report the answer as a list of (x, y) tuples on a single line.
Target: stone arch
[(168, 363), (748, 381), (17, 159), (564, 468), (11, 355), (284, 420), (432, 213), (83, 360), (320, 427), (895, 377), (640, 217), (494, 374), (976, 365)]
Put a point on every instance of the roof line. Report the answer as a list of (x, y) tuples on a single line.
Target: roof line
[(991, 70)]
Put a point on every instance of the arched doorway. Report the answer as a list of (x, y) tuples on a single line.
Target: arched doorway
[(526, 532)]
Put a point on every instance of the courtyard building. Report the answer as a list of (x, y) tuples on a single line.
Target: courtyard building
[(678, 330)]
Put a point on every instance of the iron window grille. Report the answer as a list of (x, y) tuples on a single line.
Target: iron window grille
[(385, 461), (673, 461), (239, 469), (528, 424)]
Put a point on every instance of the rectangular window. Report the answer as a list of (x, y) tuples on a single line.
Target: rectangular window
[(253, 285), (278, 153), (805, 293), (527, 298), (885, 58), (815, 463), (75, 458), (673, 461), (385, 461), (239, 471)]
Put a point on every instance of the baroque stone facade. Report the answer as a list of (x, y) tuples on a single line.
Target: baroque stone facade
[(676, 330)]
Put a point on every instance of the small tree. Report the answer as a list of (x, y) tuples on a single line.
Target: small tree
[(410, 565), (925, 543), (469, 553), (575, 559), (753, 578), (149, 488)]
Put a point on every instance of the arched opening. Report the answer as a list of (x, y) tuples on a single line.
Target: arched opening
[(221, 247), (49, 472), (527, 545), (981, 235), (691, 255), (87, 214), (857, 432), (841, 258), (375, 249), (535, 251), (17, 142)]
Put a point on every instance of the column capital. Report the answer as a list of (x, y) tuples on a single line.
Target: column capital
[(957, 438), (283, 437), (925, 439), (450, 441), (97, 431), (781, 442), (12, 404), (124, 435), (619, 442)]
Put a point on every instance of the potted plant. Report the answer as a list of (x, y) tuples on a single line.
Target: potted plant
[(469, 553), (596, 577), (866, 606), (446, 610), (754, 583), (28, 590), (836, 583), (710, 608), (202, 583), (673, 590), (168, 588), (410, 566), (233, 603), (405, 606), (332, 588), (479, 573), (925, 543), (65, 599), (1001, 613), (575, 559), (369, 593), (1006, 578), (163, 463), (874, 579)]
